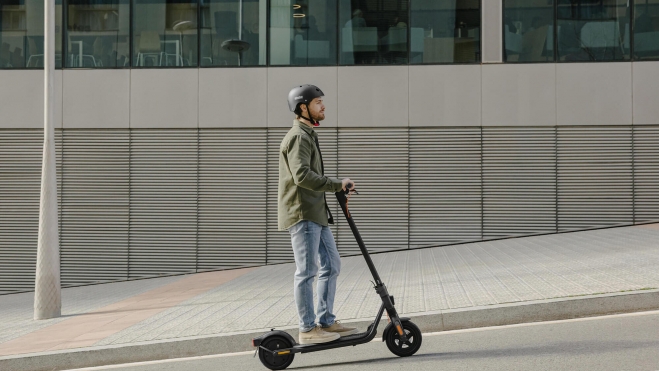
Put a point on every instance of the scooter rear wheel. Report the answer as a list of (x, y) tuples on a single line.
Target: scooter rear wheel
[(279, 362), (412, 345)]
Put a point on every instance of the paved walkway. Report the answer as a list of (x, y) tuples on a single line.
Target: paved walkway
[(449, 277)]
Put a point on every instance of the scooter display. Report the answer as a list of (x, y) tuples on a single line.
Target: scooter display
[(277, 348)]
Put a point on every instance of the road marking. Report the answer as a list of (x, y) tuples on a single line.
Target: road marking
[(377, 339), (147, 363), (635, 314)]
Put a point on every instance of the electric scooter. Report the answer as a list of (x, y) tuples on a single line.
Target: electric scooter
[(277, 349)]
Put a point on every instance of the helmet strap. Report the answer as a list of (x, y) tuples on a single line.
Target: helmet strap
[(313, 122)]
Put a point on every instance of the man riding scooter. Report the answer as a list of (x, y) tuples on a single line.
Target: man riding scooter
[(303, 211)]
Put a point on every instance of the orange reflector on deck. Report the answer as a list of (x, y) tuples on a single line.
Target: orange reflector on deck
[(284, 352)]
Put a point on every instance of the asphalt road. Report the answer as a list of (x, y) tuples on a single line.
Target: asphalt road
[(620, 342)]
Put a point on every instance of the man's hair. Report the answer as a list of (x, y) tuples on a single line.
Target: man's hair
[(298, 109)]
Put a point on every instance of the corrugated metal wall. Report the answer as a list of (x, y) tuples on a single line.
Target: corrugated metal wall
[(20, 173), (445, 186), (646, 173), (146, 202), (232, 196), (95, 205), (163, 202), (594, 177), (377, 159), (519, 181)]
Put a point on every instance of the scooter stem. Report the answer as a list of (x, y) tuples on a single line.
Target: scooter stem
[(341, 197), (380, 288)]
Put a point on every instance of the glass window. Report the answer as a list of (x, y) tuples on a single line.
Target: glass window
[(646, 29), (302, 32), (21, 33), (445, 31), (528, 29), (233, 32), (373, 31), (97, 33), (164, 33), (593, 30)]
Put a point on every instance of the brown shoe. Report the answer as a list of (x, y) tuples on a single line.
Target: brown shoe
[(317, 336), (338, 328)]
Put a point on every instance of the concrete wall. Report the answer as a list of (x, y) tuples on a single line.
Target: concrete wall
[(620, 93)]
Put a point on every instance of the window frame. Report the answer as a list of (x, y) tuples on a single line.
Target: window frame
[(268, 47), (480, 41), (132, 46), (632, 7), (65, 42)]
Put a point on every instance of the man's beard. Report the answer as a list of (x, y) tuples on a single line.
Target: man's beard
[(318, 117)]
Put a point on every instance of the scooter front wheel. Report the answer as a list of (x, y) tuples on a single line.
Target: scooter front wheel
[(275, 362), (404, 349)]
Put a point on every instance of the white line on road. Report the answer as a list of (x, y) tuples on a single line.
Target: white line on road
[(251, 352), (146, 363), (477, 329)]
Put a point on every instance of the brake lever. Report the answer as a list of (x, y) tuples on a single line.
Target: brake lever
[(350, 190)]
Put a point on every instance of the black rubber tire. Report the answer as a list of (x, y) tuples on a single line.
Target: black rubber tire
[(275, 362), (406, 349)]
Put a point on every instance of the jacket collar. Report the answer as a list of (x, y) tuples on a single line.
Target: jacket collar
[(305, 127)]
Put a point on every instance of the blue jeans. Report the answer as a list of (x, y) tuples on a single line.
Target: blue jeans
[(313, 243)]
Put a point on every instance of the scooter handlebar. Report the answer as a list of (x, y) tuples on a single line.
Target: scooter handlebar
[(350, 188)]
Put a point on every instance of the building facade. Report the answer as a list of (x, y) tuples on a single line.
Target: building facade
[(460, 120)]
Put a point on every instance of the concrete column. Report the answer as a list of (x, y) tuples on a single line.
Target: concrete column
[(47, 290)]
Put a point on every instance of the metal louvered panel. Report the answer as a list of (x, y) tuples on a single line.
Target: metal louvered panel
[(377, 159), (646, 173), (279, 242), (445, 186), (20, 177), (163, 201), (594, 177), (21, 153), (232, 198), (94, 212), (519, 181), (59, 146)]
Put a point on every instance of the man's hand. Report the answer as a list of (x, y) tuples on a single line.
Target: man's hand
[(345, 182)]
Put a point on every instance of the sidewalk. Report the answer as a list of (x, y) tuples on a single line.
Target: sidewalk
[(471, 278)]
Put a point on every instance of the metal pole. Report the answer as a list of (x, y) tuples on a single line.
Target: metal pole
[(47, 290)]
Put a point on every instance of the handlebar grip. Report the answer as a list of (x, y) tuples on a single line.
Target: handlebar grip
[(349, 185)]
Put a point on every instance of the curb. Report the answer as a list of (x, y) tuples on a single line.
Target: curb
[(454, 319)]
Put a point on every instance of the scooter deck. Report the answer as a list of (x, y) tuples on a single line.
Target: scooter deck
[(340, 342)]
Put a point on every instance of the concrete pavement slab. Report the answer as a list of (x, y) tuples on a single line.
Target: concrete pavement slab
[(474, 284), (89, 328)]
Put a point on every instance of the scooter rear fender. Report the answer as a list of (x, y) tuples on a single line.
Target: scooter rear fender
[(258, 340)]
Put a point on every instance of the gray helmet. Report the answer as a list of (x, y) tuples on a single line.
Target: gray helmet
[(302, 94)]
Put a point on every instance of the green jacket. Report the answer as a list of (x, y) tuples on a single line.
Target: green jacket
[(302, 184)]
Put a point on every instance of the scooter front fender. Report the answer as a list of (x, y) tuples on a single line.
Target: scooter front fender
[(390, 327)]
